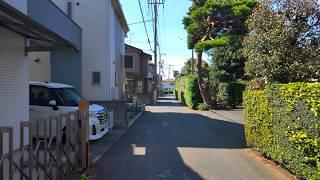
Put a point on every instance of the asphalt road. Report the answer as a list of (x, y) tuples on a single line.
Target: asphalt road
[(170, 141)]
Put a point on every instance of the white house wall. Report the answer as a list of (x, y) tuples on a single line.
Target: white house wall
[(21, 5), (102, 38), (14, 88), (112, 47), (39, 71), (119, 56), (92, 17)]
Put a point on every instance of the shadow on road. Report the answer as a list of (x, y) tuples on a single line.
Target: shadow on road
[(152, 147)]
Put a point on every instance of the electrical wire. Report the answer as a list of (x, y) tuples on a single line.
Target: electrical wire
[(144, 23), (140, 22)]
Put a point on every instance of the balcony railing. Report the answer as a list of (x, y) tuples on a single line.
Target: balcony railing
[(46, 13)]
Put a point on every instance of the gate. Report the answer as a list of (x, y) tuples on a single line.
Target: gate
[(48, 155)]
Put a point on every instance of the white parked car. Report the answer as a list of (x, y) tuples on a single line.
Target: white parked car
[(47, 99)]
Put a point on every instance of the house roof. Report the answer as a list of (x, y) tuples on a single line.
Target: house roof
[(119, 12), (140, 51)]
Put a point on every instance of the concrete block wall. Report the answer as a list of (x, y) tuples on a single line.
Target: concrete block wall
[(119, 109)]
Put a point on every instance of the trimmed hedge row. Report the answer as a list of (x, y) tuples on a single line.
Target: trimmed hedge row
[(227, 94), (191, 92), (179, 89), (283, 122), (187, 91)]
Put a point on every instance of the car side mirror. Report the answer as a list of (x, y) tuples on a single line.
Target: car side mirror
[(53, 103)]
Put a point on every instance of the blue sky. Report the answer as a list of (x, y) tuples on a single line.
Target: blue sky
[(172, 36)]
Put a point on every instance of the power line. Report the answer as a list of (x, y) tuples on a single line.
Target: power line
[(155, 4), (144, 23), (140, 22)]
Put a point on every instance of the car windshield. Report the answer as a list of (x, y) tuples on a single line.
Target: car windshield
[(68, 96)]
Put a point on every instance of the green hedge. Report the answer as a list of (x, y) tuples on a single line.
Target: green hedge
[(203, 107), (179, 89), (283, 122), (236, 93), (191, 92), (229, 94)]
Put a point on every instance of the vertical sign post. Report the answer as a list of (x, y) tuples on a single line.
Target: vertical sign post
[(84, 108)]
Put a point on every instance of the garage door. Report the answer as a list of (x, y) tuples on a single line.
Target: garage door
[(14, 98)]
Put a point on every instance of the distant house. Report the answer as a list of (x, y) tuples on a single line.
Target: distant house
[(168, 86), (139, 75)]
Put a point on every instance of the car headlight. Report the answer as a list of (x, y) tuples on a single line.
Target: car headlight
[(93, 114)]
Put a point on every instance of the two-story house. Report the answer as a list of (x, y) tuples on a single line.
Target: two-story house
[(27, 26), (139, 79)]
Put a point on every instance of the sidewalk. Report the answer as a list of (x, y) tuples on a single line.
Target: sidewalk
[(232, 114)]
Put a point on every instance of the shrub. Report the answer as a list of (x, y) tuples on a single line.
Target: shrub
[(223, 94), (177, 88), (236, 92), (282, 122), (229, 94), (191, 92), (203, 107)]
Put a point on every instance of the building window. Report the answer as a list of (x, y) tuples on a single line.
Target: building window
[(96, 80), (69, 9), (128, 62)]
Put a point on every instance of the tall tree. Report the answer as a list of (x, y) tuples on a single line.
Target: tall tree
[(186, 69), (284, 41), (213, 23)]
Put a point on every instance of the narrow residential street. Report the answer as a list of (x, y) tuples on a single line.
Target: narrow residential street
[(172, 142)]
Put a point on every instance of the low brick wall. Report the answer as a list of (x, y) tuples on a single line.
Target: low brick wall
[(119, 109)]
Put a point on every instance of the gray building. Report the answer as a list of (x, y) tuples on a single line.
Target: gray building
[(65, 61)]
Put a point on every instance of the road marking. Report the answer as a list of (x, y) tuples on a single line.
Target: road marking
[(165, 173), (164, 124), (139, 151)]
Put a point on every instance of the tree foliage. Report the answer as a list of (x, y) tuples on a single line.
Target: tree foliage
[(212, 24), (186, 69), (228, 16), (284, 40)]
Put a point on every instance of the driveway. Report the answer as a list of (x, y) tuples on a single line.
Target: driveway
[(170, 141)]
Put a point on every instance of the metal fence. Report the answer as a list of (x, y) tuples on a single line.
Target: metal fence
[(49, 155), (134, 109)]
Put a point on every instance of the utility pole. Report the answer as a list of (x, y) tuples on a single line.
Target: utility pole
[(169, 70), (155, 8)]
